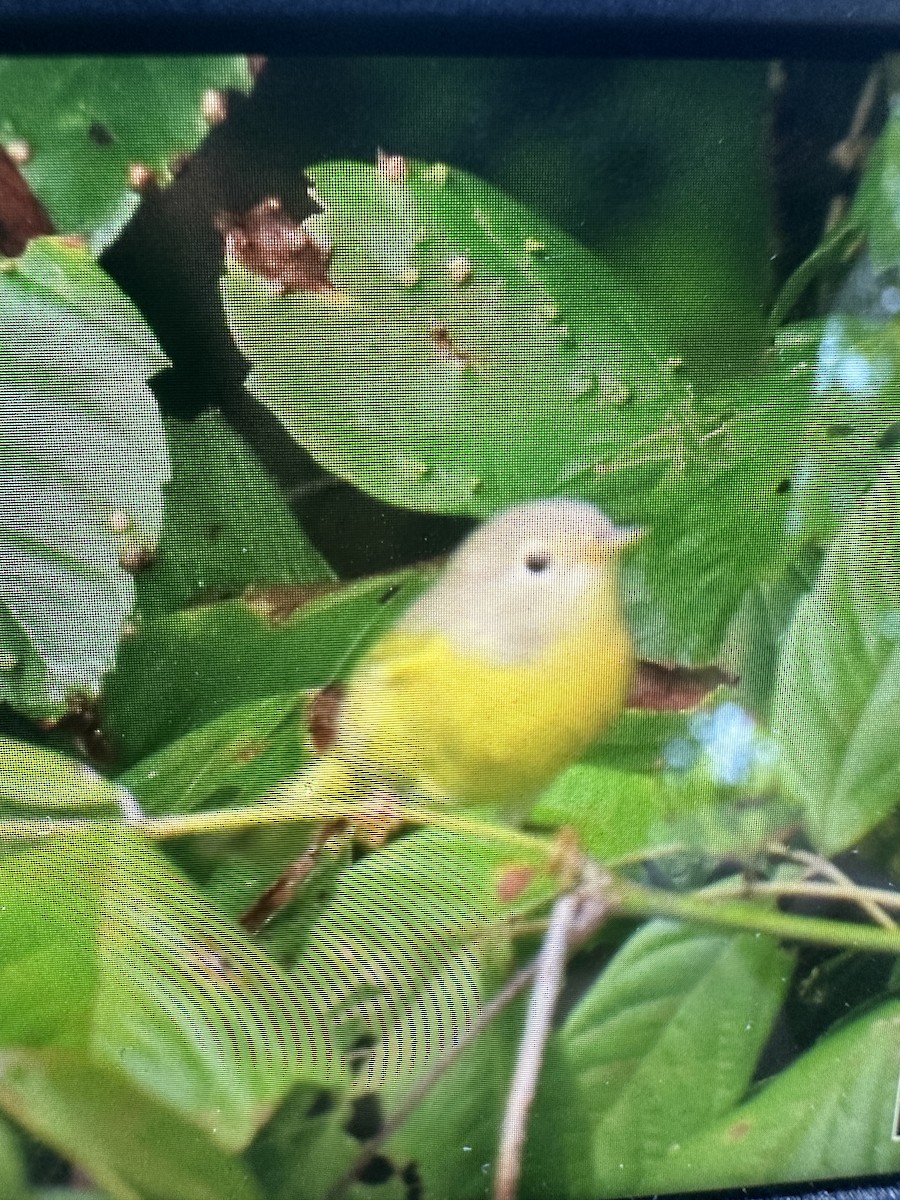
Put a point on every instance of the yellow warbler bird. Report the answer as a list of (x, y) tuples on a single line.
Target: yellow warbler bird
[(498, 676)]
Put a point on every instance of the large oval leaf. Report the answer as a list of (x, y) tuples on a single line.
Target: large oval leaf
[(83, 461), (439, 345), (107, 950)]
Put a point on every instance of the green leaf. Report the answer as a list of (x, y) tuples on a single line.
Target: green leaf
[(754, 636), (559, 1146), (38, 782), (875, 204), (132, 1146), (12, 1170), (412, 941), (451, 1137), (612, 811), (83, 455), (87, 121), (402, 944), (226, 524), (665, 1042), (66, 1193), (686, 578), (637, 741), (541, 365), (106, 949), (711, 804), (854, 423), (397, 339), (831, 1114), (179, 671), (836, 710), (306, 1148), (231, 762)]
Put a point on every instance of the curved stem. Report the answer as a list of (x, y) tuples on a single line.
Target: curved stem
[(297, 806), (707, 908)]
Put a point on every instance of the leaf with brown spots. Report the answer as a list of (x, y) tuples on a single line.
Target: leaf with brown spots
[(277, 602), (323, 714), (268, 242)]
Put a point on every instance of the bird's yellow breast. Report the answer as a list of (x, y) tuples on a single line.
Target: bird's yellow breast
[(418, 712)]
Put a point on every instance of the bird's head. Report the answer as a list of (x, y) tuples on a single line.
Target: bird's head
[(520, 579)]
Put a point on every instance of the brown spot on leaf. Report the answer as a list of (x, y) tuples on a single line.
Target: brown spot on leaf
[(323, 716), (82, 723), (22, 216), (277, 602), (268, 242), (140, 177), (392, 166), (136, 556), (440, 335), (663, 688), (513, 881), (739, 1131), (249, 751)]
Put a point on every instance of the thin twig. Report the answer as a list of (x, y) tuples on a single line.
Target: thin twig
[(810, 890), (713, 909), (872, 901), (294, 803), (850, 152), (550, 969), (574, 918)]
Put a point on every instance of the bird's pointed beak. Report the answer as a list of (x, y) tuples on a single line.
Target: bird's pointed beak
[(616, 539), (626, 535)]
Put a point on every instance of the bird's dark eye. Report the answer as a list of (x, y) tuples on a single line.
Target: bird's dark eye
[(537, 562)]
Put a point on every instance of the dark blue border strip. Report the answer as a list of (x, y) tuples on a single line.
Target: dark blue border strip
[(669, 27)]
